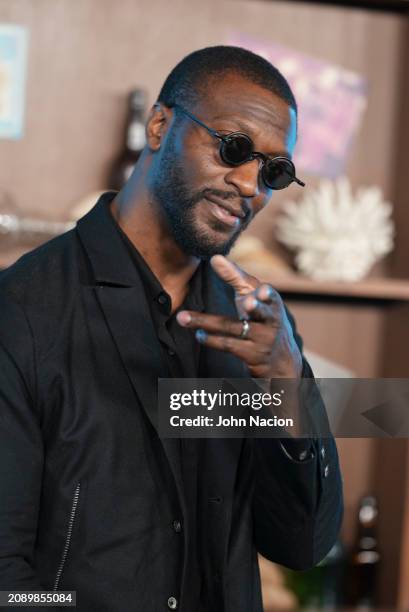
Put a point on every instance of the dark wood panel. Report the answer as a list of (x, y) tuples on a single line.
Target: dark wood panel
[(391, 488), (400, 197), (403, 594), (391, 6)]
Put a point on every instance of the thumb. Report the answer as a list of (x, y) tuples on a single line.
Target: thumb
[(237, 278)]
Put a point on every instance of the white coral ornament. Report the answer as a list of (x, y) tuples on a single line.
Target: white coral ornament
[(337, 236)]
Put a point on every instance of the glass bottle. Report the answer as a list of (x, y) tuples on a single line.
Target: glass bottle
[(365, 557), (134, 143)]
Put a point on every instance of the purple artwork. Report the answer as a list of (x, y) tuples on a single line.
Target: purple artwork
[(331, 102)]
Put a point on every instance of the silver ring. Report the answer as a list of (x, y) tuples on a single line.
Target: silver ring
[(245, 330)]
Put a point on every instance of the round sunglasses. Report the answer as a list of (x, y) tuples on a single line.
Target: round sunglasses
[(237, 148)]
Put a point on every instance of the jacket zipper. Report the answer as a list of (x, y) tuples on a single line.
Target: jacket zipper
[(68, 537)]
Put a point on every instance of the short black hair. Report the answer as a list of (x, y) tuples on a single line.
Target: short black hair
[(187, 81)]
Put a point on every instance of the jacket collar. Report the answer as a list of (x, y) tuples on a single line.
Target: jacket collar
[(101, 239), (127, 312)]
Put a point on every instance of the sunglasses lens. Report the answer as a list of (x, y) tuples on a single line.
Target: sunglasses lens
[(278, 173), (236, 149)]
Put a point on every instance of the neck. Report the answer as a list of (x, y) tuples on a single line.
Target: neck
[(145, 226)]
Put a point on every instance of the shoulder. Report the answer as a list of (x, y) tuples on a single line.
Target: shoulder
[(35, 292), (51, 264)]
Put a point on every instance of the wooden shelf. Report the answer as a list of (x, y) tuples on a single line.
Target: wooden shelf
[(392, 289), (377, 288)]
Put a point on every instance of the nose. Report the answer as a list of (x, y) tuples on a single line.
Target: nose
[(245, 178)]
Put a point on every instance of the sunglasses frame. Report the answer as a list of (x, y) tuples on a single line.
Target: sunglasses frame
[(224, 138)]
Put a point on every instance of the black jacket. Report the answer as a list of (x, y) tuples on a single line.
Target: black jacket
[(91, 498)]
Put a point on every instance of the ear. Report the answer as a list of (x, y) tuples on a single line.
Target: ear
[(158, 123)]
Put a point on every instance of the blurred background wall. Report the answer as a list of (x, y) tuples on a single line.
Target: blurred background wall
[(85, 56)]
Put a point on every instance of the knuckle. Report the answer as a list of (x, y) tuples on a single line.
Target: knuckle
[(264, 350), (226, 326), (229, 326), (251, 303), (272, 294), (266, 287), (253, 359), (228, 342), (197, 320)]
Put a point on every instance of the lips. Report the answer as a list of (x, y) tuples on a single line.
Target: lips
[(231, 210), (222, 215)]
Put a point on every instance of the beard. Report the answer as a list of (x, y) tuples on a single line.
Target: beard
[(171, 191)]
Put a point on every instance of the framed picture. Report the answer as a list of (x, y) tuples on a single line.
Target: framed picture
[(13, 59), (331, 103)]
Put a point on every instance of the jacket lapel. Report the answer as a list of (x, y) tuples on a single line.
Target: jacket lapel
[(120, 293), (137, 343), (127, 315)]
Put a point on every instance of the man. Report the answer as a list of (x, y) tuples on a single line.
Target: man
[(92, 499)]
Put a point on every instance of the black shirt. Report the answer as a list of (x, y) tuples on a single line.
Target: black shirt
[(181, 353)]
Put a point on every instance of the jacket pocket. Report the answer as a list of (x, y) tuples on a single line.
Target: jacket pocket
[(72, 518)]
